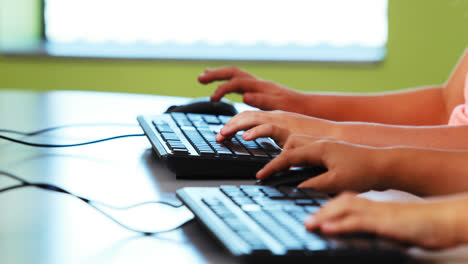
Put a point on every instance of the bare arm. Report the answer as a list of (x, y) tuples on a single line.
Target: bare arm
[(411, 107), (426, 106), (426, 172), (379, 135)]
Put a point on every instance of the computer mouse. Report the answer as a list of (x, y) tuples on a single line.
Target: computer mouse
[(291, 177), (204, 105)]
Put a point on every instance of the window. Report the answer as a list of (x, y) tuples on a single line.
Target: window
[(303, 30)]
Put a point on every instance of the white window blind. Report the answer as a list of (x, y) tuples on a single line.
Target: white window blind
[(343, 30)]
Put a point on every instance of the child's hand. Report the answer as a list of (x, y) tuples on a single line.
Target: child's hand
[(259, 93), (350, 167), (430, 225), (275, 124)]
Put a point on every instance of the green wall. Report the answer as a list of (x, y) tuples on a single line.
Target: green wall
[(426, 38)]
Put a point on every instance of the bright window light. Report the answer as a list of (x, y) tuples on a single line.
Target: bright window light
[(337, 30)]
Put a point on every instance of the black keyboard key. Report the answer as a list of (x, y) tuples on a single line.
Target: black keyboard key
[(170, 136), (221, 149), (311, 209), (305, 202), (195, 117), (273, 193), (180, 151), (176, 145), (321, 201), (178, 116), (211, 119), (184, 123), (240, 201), (281, 234), (312, 193), (159, 122), (237, 148), (252, 147), (300, 216), (292, 192), (209, 135), (212, 201), (224, 119), (252, 240), (268, 146), (206, 152), (236, 225), (311, 241), (164, 128)]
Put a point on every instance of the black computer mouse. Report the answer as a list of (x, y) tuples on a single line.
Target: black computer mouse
[(204, 105), (291, 177)]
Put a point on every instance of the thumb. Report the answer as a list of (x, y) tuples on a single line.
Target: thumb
[(324, 182)]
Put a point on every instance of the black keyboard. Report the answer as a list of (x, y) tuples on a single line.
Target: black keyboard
[(258, 222), (187, 142)]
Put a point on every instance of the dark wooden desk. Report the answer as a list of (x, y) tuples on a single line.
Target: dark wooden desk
[(44, 227)]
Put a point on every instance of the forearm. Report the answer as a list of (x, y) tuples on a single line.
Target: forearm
[(422, 171), (379, 135), (411, 107)]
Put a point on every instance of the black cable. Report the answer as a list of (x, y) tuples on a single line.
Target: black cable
[(32, 144), (54, 188), (44, 130)]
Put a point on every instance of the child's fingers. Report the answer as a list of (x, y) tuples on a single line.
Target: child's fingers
[(221, 74), (346, 224), (336, 208), (286, 159), (277, 133), (239, 85), (243, 121), (327, 182)]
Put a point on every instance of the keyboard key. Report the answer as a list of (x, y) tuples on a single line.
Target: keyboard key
[(180, 151), (281, 234), (311, 209), (164, 128), (195, 117), (314, 243), (252, 147), (305, 202), (170, 136), (176, 145), (268, 146), (159, 122), (321, 201), (211, 201), (311, 241), (292, 192), (299, 215), (237, 148), (312, 193), (211, 119), (224, 119)]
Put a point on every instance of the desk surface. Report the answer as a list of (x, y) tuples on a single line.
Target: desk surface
[(43, 227)]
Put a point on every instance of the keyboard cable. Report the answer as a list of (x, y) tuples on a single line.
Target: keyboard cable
[(94, 204), (41, 131)]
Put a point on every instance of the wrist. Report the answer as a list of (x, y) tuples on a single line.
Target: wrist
[(301, 103), (459, 218), (382, 162)]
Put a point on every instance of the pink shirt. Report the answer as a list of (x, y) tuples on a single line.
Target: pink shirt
[(460, 113)]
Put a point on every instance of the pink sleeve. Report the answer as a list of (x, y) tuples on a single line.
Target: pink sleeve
[(460, 113)]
